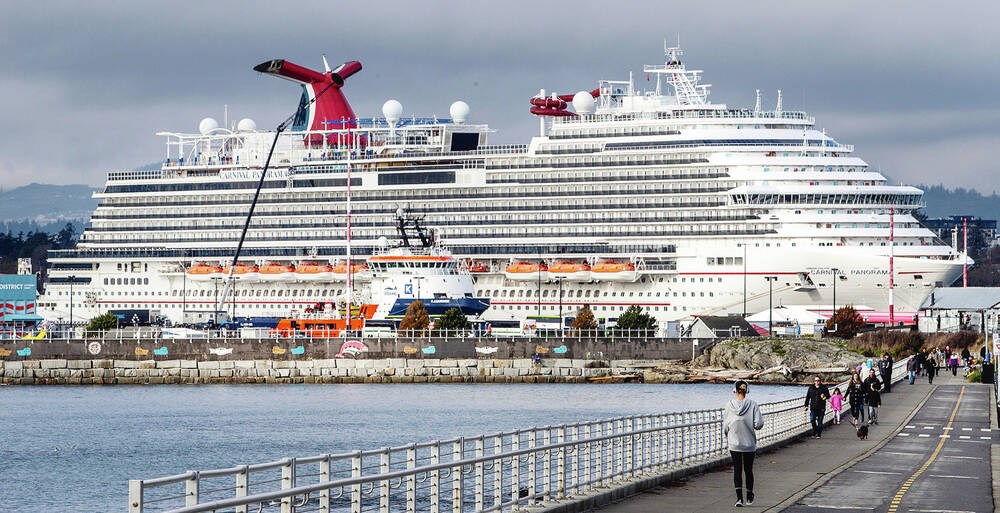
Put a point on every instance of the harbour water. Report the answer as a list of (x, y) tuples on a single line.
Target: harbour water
[(73, 449)]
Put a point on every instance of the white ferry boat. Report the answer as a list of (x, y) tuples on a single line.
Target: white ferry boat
[(657, 198)]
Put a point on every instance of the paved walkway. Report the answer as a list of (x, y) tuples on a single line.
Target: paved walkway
[(899, 468)]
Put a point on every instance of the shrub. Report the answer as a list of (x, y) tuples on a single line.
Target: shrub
[(898, 344), (975, 376), (847, 321)]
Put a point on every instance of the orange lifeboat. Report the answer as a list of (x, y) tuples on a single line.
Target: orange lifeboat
[(204, 272), (476, 267), (609, 270), (573, 271), (314, 271), (273, 271), (244, 272), (527, 271), (358, 272)]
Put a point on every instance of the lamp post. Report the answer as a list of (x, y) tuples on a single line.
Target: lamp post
[(770, 307), (744, 279), (538, 274), (559, 279), (836, 276), (72, 279)]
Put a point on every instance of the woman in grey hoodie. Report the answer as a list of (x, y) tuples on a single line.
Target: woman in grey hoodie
[(742, 419)]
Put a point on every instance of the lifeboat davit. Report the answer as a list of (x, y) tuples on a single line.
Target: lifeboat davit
[(314, 271), (614, 271), (527, 271), (572, 271), (273, 271), (358, 272), (248, 272), (204, 272)]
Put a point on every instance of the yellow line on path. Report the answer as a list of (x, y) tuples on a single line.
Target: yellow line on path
[(898, 498)]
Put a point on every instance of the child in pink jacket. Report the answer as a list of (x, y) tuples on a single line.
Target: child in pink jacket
[(836, 404)]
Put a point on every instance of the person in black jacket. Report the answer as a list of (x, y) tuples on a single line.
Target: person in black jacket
[(873, 397), (816, 399), (856, 398), (885, 370)]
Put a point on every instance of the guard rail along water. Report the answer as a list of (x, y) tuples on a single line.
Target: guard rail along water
[(499, 472)]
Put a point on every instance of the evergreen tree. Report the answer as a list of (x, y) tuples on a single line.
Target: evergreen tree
[(635, 320), (845, 323), (451, 323), (104, 322), (416, 320)]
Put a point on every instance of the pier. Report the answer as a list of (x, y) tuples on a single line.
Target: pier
[(933, 443), (932, 450)]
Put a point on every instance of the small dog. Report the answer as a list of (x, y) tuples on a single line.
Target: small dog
[(863, 432)]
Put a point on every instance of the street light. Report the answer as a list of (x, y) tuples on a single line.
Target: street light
[(744, 279), (538, 273), (836, 274), (559, 279), (770, 307), (72, 279)]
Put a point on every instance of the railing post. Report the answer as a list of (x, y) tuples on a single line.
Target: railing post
[(383, 498), (411, 479), (242, 486), (356, 489), (134, 496), (532, 459), (480, 469), (515, 468), (287, 481), (574, 468), (191, 489), (324, 477), (547, 462), (587, 455), (561, 453), (498, 472), (435, 497), (458, 449), (630, 448)]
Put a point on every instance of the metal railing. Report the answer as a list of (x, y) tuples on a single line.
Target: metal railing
[(499, 472)]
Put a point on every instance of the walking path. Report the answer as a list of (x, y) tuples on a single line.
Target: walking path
[(910, 462)]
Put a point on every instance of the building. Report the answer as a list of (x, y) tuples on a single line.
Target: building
[(711, 326), (18, 296), (982, 232), (958, 308)]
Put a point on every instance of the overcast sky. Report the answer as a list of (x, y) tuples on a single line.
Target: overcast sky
[(86, 85)]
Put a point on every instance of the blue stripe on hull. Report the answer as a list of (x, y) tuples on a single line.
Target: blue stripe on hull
[(468, 305)]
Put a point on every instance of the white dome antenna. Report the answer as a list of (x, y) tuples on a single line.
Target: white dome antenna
[(246, 125), (392, 110), (583, 103), (207, 126), (459, 112)]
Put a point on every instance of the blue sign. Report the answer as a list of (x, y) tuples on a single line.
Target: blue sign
[(18, 287), (408, 288)]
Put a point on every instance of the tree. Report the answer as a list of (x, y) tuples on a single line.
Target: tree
[(453, 321), (104, 322), (845, 323), (584, 321), (634, 319), (416, 320)]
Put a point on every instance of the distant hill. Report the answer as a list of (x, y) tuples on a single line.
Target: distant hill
[(40, 207), (943, 202)]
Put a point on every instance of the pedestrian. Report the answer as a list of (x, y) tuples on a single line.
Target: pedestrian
[(947, 353), (885, 370), (856, 399), (816, 399), (912, 366), (742, 420), (966, 355), (953, 364), (873, 397), (836, 404), (930, 365)]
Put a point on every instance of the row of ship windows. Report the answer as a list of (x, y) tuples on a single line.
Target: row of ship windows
[(900, 199), (452, 233)]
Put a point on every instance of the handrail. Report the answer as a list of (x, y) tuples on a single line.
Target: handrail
[(498, 472)]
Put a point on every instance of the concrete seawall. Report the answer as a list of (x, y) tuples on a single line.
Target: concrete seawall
[(334, 370)]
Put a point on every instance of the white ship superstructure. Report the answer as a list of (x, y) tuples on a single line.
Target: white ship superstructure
[(660, 199)]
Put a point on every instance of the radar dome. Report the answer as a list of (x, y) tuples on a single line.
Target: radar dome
[(583, 103), (392, 110), (459, 111), (383, 242), (246, 125), (207, 125)]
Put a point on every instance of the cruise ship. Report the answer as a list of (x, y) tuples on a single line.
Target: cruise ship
[(659, 198)]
